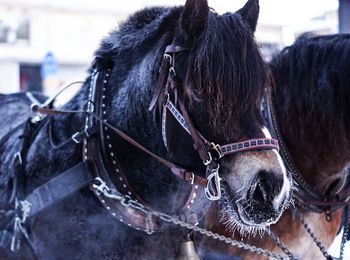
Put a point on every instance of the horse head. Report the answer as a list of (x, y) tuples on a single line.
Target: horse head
[(313, 100), (222, 78)]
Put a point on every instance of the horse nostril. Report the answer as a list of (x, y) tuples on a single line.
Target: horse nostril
[(260, 193), (267, 186)]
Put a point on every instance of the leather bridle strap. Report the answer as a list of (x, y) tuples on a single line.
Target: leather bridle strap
[(263, 143), (200, 144), (179, 171)]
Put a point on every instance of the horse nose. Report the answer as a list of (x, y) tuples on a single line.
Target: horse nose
[(266, 187)]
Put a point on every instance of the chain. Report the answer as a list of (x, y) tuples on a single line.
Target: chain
[(313, 236), (126, 201), (281, 245), (343, 241), (346, 230)]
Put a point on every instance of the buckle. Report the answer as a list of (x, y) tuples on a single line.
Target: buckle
[(214, 154)]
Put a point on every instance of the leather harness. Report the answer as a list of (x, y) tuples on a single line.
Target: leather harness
[(100, 166)]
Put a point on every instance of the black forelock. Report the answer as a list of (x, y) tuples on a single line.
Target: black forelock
[(313, 78), (225, 65), (227, 69)]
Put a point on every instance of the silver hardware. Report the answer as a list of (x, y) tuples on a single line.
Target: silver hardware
[(213, 189), (74, 138), (128, 202), (25, 208), (149, 224), (192, 178), (90, 106), (101, 187), (214, 148), (168, 57), (172, 72)]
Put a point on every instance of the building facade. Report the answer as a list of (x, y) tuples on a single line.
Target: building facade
[(46, 43)]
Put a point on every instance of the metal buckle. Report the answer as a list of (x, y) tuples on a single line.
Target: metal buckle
[(217, 155), (214, 183)]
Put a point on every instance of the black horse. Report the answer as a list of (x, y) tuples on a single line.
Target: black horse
[(213, 70)]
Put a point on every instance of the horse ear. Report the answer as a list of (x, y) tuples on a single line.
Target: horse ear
[(250, 13), (194, 18)]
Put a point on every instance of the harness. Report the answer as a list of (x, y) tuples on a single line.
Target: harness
[(101, 171)]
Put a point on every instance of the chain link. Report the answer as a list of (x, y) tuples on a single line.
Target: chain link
[(313, 236), (129, 202), (281, 245)]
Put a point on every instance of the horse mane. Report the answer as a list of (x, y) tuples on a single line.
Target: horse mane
[(313, 79), (225, 67)]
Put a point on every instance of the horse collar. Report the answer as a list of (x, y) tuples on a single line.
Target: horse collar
[(110, 174)]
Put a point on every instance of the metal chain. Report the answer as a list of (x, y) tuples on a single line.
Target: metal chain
[(127, 201), (346, 230), (281, 245), (343, 241), (313, 236)]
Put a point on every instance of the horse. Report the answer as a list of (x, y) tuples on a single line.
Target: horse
[(311, 110), (133, 160)]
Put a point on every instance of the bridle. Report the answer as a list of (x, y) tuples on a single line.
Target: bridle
[(209, 152), (100, 150)]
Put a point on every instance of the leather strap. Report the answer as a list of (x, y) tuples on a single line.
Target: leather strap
[(175, 169), (163, 75), (59, 187)]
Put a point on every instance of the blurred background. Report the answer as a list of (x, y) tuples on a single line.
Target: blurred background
[(46, 43)]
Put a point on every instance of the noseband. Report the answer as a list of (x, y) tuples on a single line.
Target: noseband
[(209, 152)]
